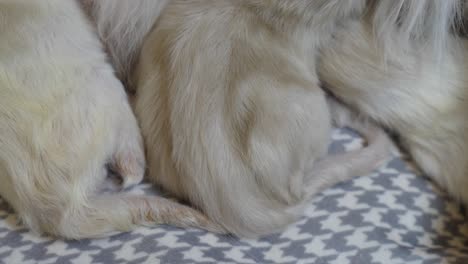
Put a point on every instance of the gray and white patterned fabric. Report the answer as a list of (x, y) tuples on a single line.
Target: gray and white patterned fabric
[(390, 216)]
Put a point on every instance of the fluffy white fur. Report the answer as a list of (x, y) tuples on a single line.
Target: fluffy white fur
[(413, 22), (64, 118)]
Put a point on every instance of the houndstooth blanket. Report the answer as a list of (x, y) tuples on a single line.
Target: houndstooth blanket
[(390, 216)]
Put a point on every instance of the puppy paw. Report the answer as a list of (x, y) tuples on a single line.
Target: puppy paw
[(128, 159), (127, 168)]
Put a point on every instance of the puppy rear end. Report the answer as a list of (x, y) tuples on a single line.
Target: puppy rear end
[(233, 116), (64, 118)]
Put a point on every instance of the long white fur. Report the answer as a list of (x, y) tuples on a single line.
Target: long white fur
[(414, 22), (64, 117), (418, 95), (418, 90)]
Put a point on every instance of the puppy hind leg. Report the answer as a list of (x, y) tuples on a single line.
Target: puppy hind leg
[(127, 163), (285, 136), (127, 166)]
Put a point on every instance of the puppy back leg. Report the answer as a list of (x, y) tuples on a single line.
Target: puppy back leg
[(128, 160)]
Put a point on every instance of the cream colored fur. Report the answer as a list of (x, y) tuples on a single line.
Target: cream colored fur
[(64, 118), (413, 92), (229, 103), (122, 26), (232, 114)]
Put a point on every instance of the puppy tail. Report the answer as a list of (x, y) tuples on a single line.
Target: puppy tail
[(341, 167), (108, 214)]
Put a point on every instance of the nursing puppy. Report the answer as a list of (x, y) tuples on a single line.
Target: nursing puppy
[(65, 119), (231, 110), (421, 95)]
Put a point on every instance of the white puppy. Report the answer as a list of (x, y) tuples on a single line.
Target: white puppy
[(421, 95), (230, 108), (65, 118)]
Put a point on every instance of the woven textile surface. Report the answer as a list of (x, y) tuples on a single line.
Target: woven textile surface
[(393, 215)]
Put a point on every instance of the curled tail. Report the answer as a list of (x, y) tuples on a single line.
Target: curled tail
[(341, 167)]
